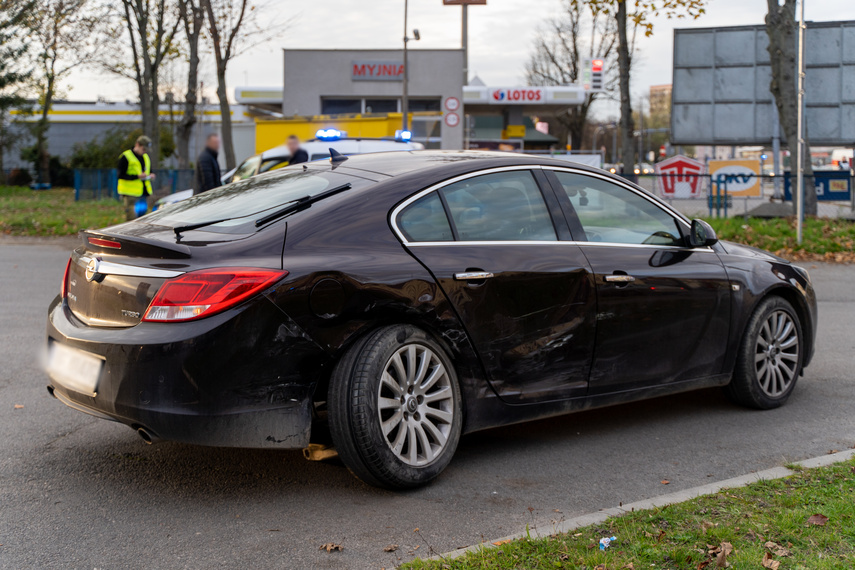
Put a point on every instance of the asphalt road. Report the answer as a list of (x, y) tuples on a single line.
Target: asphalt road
[(77, 492)]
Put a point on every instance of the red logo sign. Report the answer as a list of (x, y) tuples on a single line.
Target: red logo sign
[(376, 70), (680, 177), (520, 95)]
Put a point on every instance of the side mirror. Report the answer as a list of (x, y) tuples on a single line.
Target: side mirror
[(701, 234)]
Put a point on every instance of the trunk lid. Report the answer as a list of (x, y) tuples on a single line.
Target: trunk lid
[(112, 285)]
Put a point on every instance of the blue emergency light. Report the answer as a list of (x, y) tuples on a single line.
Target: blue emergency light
[(329, 134), (403, 135)]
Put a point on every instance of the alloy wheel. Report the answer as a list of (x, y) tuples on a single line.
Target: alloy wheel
[(415, 404), (776, 357)]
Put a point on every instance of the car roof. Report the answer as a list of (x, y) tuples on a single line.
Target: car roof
[(400, 163)]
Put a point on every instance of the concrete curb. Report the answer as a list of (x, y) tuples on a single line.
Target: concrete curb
[(660, 501)]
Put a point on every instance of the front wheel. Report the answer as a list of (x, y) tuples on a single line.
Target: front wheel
[(395, 408), (770, 357)]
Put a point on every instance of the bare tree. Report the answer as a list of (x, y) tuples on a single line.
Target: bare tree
[(225, 20), (642, 11), (150, 28), (234, 26), (781, 27), (62, 35), (193, 18), (13, 75), (559, 52)]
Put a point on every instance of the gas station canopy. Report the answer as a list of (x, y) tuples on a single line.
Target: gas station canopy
[(532, 99)]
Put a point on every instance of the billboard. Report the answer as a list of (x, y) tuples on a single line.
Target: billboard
[(738, 178), (721, 82), (830, 186)]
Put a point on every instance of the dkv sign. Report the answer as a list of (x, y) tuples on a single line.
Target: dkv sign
[(736, 177), (518, 95)]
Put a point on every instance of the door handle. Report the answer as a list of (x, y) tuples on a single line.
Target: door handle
[(472, 275), (620, 278)]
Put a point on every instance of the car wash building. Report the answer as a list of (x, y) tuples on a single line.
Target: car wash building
[(360, 92)]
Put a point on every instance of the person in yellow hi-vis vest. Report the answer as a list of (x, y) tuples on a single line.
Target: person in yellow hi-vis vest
[(135, 178)]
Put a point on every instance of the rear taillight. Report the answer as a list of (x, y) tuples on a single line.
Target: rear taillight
[(63, 290), (203, 293), (102, 242)]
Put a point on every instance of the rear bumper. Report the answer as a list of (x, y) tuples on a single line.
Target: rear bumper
[(243, 378)]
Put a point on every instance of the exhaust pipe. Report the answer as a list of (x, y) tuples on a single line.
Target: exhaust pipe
[(319, 452), (148, 437)]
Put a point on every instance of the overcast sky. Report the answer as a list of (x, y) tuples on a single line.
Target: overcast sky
[(500, 38)]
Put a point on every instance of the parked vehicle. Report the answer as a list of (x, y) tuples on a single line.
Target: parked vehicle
[(279, 156), (409, 298)]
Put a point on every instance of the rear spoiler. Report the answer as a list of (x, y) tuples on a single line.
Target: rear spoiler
[(133, 245)]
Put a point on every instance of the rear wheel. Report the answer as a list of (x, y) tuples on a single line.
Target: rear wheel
[(770, 357), (395, 408)]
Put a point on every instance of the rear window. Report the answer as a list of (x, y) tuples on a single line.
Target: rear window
[(243, 202)]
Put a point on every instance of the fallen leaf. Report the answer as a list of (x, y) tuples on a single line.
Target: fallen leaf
[(415, 530), (777, 549), (19, 406), (769, 562), (600, 567), (501, 542), (703, 564), (391, 548), (629, 566), (706, 525), (272, 530), (817, 519), (664, 481), (661, 536), (724, 550), (331, 546)]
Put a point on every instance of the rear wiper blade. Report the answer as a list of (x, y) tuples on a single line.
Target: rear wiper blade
[(301, 203), (181, 229)]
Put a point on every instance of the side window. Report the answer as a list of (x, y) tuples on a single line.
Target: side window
[(613, 214), (505, 206), (425, 220)]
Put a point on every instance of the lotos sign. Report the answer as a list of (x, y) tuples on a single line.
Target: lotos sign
[(364, 70), (680, 177), (736, 177), (520, 95)]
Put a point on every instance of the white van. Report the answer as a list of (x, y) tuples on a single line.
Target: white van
[(279, 157)]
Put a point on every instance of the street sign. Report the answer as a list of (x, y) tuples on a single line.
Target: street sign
[(680, 177), (452, 103), (452, 119), (738, 178), (593, 74), (830, 186), (514, 132)]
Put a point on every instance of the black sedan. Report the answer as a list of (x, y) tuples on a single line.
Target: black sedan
[(407, 298)]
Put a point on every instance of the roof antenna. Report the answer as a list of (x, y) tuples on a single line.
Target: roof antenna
[(336, 157)]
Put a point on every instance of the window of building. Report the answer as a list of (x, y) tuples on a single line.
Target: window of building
[(340, 106)]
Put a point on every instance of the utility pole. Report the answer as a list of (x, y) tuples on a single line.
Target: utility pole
[(464, 39), (800, 159), (405, 103)]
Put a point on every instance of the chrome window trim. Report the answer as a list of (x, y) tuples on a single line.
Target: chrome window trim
[(642, 193), (110, 268), (560, 242)]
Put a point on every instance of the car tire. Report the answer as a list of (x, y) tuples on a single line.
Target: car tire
[(395, 409), (770, 356)]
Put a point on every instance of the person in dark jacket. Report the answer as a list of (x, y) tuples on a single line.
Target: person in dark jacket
[(298, 155), (208, 174)]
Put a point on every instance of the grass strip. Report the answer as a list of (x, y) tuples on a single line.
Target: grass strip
[(805, 521)]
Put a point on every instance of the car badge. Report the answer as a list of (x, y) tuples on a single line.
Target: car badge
[(92, 269)]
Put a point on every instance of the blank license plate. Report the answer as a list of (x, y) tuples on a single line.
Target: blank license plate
[(74, 369)]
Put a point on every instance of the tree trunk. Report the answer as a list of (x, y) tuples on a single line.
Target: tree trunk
[(626, 123), (42, 153), (225, 119), (782, 28), (193, 19)]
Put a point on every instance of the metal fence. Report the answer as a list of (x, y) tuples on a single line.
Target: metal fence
[(101, 183), (700, 195)]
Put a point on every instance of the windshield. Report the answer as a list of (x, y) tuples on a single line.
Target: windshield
[(242, 202)]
